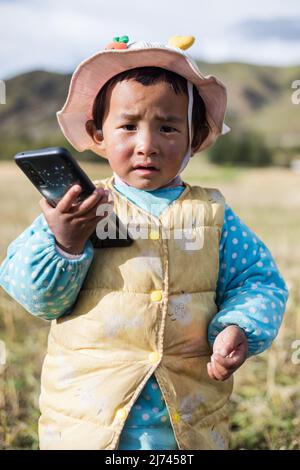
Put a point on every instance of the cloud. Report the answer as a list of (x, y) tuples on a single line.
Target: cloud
[(57, 35), (285, 29)]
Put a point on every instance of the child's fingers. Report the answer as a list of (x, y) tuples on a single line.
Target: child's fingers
[(222, 367), (219, 371), (91, 215), (96, 198), (210, 371), (105, 209), (45, 206), (69, 198), (230, 363), (216, 375)]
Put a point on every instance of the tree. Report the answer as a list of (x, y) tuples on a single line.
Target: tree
[(244, 149)]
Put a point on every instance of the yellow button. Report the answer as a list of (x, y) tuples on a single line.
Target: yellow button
[(121, 414), (154, 357), (156, 295), (154, 235), (176, 418)]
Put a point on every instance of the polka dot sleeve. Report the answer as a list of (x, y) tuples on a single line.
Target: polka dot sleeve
[(251, 293), (37, 276)]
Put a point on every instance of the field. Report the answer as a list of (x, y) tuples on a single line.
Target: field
[(266, 399)]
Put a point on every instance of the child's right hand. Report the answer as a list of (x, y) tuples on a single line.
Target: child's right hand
[(229, 353), (73, 223)]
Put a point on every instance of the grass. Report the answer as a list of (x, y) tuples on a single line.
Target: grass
[(266, 398)]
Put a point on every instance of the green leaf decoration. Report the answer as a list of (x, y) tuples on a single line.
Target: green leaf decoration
[(124, 39), (121, 39)]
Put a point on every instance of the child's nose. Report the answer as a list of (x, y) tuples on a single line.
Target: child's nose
[(146, 143)]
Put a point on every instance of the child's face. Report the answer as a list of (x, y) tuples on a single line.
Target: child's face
[(145, 126)]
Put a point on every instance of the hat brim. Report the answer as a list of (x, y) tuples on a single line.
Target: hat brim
[(90, 76)]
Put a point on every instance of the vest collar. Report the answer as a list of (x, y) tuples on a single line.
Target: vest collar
[(185, 192)]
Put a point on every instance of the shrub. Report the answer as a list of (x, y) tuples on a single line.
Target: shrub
[(245, 149)]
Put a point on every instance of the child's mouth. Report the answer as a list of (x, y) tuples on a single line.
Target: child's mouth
[(146, 169)]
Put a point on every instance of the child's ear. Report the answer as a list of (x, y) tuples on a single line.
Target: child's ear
[(96, 135)]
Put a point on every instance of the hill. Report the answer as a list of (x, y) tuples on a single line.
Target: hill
[(259, 98)]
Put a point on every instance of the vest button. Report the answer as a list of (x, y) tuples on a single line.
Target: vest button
[(121, 414), (176, 418), (154, 357), (154, 235), (156, 295)]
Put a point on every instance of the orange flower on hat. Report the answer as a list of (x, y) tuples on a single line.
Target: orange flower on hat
[(118, 43)]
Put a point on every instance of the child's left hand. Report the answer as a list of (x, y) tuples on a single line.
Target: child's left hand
[(229, 352)]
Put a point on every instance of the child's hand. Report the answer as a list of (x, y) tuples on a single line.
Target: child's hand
[(73, 223), (229, 352)]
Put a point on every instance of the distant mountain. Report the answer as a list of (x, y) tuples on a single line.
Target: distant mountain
[(31, 103), (28, 119), (259, 98)]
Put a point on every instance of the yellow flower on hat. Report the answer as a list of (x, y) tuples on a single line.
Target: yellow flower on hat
[(183, 42)]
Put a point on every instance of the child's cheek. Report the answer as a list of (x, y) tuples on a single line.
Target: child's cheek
[(173, 146), (120, 153), (173, 150)]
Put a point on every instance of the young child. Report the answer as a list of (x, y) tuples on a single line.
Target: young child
[(144, 339)]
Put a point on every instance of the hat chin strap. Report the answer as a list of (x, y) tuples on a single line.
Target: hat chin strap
[(190, 113)]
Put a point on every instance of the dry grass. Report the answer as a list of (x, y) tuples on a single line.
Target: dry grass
[(266, 397)]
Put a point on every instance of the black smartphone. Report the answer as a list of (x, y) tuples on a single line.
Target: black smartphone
[(53, 171)]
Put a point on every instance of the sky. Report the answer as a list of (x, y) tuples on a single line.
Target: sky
[(56, 35)]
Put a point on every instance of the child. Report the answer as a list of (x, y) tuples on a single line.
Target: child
[(129, 365)]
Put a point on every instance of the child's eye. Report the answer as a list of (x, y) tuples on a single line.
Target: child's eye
[(129, 127), (168, 129)]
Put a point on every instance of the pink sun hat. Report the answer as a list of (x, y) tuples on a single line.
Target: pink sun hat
[(91, 74)]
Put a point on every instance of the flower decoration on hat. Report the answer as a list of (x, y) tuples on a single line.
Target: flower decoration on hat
[(182, 42), (118, 43)]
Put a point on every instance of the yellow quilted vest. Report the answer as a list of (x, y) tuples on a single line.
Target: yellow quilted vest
[(142, 309)]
